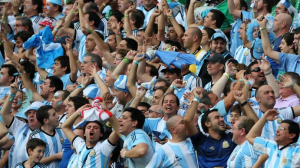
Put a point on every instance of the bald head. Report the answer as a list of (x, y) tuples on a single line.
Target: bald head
[(154, 107), (284, 17), (173, 121), (195, 31)]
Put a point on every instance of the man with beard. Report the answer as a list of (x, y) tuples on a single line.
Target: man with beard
[(178, 151)]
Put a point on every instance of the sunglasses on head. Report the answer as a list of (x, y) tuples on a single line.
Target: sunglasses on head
[(257, 69)]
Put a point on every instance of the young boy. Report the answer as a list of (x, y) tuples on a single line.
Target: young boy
[(35, 148)]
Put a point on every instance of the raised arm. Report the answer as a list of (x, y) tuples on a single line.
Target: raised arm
[(121, 68), (190, 113), (5, 110), (102, 86), (8, 47), (176, 26), (139, 95), (232, 10), (244, 37), (72, 59), (239, 97), (220, 84), (266, 67), (28, 83), (190, 13), (127, 26), (256, 130), (161, 23), (265, 39), (66, 126)]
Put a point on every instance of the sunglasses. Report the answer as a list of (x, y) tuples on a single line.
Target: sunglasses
[(151, 111), (257, 69)]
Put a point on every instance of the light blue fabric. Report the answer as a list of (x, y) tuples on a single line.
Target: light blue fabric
[(288, 63), (47, 50), (121, 83), (235, 41)]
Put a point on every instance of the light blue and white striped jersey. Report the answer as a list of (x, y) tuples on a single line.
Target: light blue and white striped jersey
[(4, 90), (235, 41), (147, 14), (45, 102), (72, 161), (243, 55), (287, 157), (21, 132), (243, 156), (36, 19), (208, 86), (54, 143), (38, 165), (102, 73), (156, 124), (174, 155), (61, 15), (136, 137), (97, 156), (269, 130), (192, 81)]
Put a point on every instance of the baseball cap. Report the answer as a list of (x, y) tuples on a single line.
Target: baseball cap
[(216, 58), (218, 35)]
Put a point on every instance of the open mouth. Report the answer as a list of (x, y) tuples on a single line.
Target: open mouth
[(91, 135), (121, 126)]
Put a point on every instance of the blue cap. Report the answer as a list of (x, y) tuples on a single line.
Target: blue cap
[(57, 2), (120, 84), (218, 35), (34, 106), (91, 91)]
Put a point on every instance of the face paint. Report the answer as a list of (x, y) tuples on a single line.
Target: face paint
[(19, 102), (28, 7), (58, 104), (1, 76), (56, 94), (122, 5), (48, 7), (19, 30)]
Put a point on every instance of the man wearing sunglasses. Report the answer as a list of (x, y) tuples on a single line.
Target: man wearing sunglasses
[(283, 150), (254, 72)]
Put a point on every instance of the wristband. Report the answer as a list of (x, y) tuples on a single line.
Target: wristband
[(89, 31), (247, 83), (75, 13), (118, 33), (174, 87), (126, 15), (268, 73), (169, 16), (227, 75), (77, 61), (262, 28), (243, 104), (6, 39), (126, 60), (12, 96), (136, 62), (79, 113), (80, 86), (241, 80), (231, 79), (197, 99), (104, 4), (56, 29)]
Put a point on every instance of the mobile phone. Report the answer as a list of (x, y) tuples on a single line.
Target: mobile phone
[(159, 135)]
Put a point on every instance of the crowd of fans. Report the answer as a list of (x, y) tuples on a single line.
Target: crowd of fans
[(150, 84)]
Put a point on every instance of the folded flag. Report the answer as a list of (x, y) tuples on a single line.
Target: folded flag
[(95, 112)]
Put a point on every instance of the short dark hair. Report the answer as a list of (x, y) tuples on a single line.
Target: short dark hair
[(55, 82), (205, 98), (91, 7), (270, 5), (23, 35), (94, 17), (118, 15), (295, 77), (97, 122), (29, 68), (289, 38), (131, 44), (243, 4), (174, 43), (11, 70), (246, 123), (297, 30), (95, 58), (153, 70), (26, 22), (236, 108), (43, 113), (293, 129), (39, 4), (163, 80), (162, 88), (65, 94), (218, 16), (34, 142), (136, 115), (139, 18), (144, 104), (205, 118), (78, 101), (248, 68), (210, 32), (64, 62), (177, 100)]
